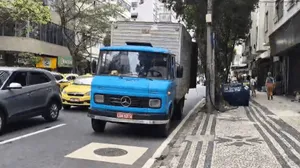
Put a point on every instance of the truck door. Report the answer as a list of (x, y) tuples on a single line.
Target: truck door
[(172, 76)]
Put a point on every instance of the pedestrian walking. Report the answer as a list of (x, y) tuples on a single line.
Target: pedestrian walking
[(270, 86), (252, 86)]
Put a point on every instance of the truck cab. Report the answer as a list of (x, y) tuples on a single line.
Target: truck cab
[(135, 84)]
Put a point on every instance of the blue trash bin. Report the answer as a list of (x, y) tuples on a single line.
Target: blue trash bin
[(236, 94)]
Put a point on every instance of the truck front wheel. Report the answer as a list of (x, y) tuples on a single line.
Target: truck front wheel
[(98, 126), (164, 130), (178, 110)]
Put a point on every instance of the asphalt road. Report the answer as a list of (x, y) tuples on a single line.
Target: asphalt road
[(71, 143)]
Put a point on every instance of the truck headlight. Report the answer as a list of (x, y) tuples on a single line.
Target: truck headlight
[(155, 103), (99, 98)]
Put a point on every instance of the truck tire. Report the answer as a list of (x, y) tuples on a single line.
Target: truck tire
[(179, 110), (98, 126), (2, 122), (164, 130)]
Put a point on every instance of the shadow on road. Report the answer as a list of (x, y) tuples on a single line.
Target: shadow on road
[(25, 124), (133, 131)]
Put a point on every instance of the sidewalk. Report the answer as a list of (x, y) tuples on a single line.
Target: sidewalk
[(282, 107), (247, 137)]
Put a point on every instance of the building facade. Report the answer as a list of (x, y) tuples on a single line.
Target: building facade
[(285, 43), (273, 44), (45, 42)]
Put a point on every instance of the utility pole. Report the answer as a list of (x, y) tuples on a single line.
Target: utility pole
[(210, 96)]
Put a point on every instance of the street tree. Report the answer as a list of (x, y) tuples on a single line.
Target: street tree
[(231, 23), (19, 11), (84, 25), (107, 39)]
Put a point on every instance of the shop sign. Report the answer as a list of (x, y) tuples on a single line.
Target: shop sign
[(47, 62), (65, 61)]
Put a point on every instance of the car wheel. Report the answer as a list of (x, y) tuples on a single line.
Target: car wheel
[(52, 111), (98, 126), (66, 107), (2, 122)]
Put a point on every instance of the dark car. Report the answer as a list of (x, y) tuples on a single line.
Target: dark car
[(26, 93)]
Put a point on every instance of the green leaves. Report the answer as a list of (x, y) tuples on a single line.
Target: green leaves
[(90, 20), (231, 23), (24, 10)]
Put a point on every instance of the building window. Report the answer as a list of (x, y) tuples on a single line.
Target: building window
[(35, 31), (9, 29), (279, 10), (256, 38), (267, 22), (290, 4), (51, 33), (134, 4)]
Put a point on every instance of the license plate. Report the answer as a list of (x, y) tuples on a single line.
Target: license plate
[(74, 100), (124, 115)]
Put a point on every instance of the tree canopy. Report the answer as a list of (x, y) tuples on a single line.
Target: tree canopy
[(89, 20), (231, 23), (24, 10)]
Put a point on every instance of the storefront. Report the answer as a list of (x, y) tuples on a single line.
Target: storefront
[(285, 49), (65, 64), (49, 63)]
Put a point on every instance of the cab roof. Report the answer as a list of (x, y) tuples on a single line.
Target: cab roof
[(136, 48)]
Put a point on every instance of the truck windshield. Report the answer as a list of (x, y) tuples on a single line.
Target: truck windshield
[(134, 64)]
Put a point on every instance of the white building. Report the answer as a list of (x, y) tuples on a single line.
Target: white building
[(152, 11), (274, 42)]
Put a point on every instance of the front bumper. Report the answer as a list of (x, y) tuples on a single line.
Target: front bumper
[(148, 119), (81, 101)]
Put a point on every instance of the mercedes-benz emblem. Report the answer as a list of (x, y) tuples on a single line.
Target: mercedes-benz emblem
[(125, 101)]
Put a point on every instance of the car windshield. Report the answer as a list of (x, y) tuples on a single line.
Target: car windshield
[(134, 64), (3, 77), (58, 77), (83, 81)]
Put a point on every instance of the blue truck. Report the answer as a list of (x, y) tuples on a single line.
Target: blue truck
[(143, 77)]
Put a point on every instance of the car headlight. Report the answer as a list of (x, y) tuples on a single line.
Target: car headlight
[(88, 93), (99, 98), (63, 91), (154, 103)]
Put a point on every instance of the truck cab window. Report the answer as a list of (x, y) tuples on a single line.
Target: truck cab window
[(133, 64)]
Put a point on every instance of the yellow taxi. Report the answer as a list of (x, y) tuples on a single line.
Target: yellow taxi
[(64, 80), (77, 93)]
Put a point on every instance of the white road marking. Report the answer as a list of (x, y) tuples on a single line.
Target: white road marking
[(87, 153), (30, 134), (163, 146)]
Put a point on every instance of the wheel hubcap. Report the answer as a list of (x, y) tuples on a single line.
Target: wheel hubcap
[(53, 110)]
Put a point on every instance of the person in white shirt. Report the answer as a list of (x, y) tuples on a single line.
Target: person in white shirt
[(252, 86)]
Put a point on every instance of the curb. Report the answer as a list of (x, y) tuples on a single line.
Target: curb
[(164, 148)]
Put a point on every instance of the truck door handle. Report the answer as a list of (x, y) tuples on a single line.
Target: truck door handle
[(28, 94)]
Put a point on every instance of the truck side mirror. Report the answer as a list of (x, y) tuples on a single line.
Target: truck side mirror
[(179, 71)]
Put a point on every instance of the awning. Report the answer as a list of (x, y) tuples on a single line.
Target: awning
[(264, 55)]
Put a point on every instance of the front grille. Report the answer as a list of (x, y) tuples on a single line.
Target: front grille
[(115, 100), (75, 94), (72, 102)]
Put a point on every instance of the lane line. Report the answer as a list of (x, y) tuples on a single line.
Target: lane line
[(163, 146), (30, 134)]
